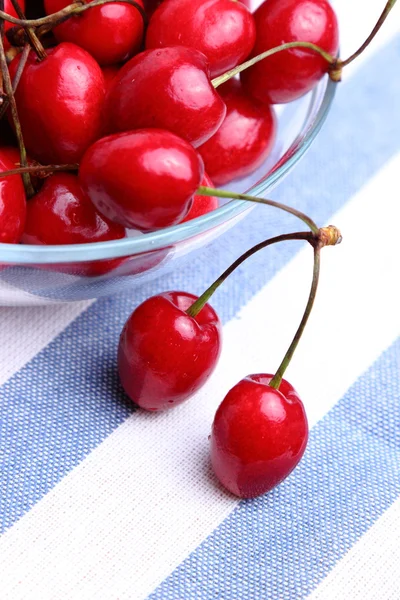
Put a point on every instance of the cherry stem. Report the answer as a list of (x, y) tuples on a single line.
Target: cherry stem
[(14, 112), (199, 304), (30, 32), (60, 16), (389, 5), (207, 191), (277, 378), (38, 169), (252, 61), (21, 65)]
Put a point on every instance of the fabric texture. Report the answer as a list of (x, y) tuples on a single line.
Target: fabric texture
[(99, 500)]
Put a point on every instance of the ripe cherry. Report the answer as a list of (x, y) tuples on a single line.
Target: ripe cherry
[(142, 179), (202, 204), (223, 30), (244, 139), (111, 33), (61, 213), (12, 203), (165, 355), (60, 101), (9, 9), (289, 74), (258, 436), (169, 88)]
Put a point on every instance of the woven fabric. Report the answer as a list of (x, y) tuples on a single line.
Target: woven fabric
[(99, 500)]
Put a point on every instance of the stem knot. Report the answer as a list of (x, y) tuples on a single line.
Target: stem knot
[(329, 236)]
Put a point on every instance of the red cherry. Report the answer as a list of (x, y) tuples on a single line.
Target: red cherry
[(223, 30), (111, 33), (12, 203), (169, 88), (244, 139), (61, 213), (164, 355), (258, 436), (202, 204), (288, 75), (142, 179), (9, 9), (60, 102)]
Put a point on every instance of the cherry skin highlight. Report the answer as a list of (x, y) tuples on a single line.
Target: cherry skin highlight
[(111, 33), (167, 88), (202, 204), (12, 203), (244, 139), (223, 30), (290, 74), (164, 355), (60, 101), (143, 179), (61, 213), (258, 436)]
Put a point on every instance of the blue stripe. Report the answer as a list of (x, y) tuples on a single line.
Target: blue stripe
[(67, 399), (280, 546)]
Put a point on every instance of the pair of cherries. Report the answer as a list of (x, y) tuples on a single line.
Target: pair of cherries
[(165, 355)]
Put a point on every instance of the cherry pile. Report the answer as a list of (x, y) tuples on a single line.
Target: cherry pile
[(117, 116), (137, 103)]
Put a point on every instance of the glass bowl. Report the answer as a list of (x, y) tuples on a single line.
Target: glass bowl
[(34, 275)]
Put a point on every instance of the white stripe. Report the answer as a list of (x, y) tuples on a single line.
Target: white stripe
[(25, 331), (370, 570), (143, 500), (356, 20)]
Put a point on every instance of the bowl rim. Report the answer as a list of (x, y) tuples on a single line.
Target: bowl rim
[(20, 254)]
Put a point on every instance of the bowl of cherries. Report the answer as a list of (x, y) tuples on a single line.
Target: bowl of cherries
[(133, 133)]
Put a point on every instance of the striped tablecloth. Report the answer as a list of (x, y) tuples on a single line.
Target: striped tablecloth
[(101, 502)]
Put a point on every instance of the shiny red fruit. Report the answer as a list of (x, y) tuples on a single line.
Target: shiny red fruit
[(288, 75), (142, 179), (60, 102), (258, 436), (111, 33), (61, 213), (9, 9), (168, 88), (221, 29), (164, 355), (202, 204), (244, 139), (12, 203)]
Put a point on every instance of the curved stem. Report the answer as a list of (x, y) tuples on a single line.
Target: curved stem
[(207, 191), (14, 112), (38, 169), (16, 80), (252, 61), (389, 5), (72, 9), (277, 378), (197, 306), (30, 32)]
